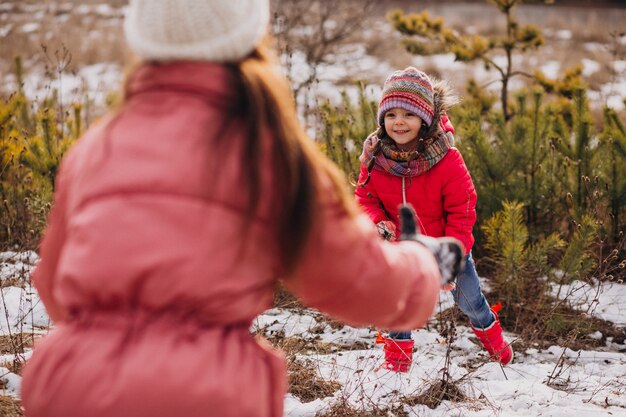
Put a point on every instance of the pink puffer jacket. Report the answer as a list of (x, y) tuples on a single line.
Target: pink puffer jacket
[(153, 283), (444, 198)]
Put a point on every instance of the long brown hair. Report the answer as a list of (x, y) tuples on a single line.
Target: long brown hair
[(268, 103)]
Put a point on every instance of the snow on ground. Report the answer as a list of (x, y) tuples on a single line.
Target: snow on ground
[(607, 301), (588, 384)]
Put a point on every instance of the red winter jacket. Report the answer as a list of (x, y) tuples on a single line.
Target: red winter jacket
[(444, 198)]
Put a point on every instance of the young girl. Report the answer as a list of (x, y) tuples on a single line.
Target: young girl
[(411, 159), (175, 217)]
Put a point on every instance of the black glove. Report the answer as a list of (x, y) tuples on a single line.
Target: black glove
[(448, 251)]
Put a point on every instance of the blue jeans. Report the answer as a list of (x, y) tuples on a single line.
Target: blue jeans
[(469, 297), (400, 335)]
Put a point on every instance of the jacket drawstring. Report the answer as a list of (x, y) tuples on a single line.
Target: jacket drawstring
[(403, 192)]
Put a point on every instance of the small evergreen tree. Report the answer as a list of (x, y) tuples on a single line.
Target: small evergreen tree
[(427, 36), (344, 129), (511, 161), (573, 141), (525, 274), (612, 153)]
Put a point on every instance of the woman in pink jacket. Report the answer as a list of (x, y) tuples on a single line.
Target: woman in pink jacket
[(411, 159), (176, 216)]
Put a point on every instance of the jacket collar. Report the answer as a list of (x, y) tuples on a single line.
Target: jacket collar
[(214, 82)]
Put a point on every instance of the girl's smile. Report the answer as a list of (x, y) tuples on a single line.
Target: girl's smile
[(402, 126)]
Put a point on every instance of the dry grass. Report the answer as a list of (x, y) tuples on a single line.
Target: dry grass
[(10, 407), (436, 393), (342, 409), (292, 346), (284, 299), (306, 385), (15, 343)]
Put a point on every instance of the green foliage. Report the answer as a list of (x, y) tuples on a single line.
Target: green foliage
[(570, 82), (519, 265), (573, 143), (578, 260), (32, 144), (549, 157), (507, 235), (525, 274), (43, 152), (511, 161), (345, 127), (565, 323), (612, 165)]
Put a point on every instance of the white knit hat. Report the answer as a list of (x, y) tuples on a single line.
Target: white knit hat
[(209, 30)]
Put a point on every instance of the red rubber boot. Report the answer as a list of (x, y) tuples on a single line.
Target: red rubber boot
[(493, 340), (398, 354)]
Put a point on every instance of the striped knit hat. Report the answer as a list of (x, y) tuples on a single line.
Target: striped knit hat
[(411, 90)]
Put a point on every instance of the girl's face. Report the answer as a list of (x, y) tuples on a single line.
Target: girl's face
[(402, 126)]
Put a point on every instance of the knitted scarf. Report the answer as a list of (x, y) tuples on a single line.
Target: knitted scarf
[(407, 163)]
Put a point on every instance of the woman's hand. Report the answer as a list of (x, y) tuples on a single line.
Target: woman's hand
[(448, 251)]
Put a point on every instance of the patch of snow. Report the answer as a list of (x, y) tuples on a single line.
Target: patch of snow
[(16, 265), (105, 10), (551, 69), (500, 60), (38, 15), (619, 66), (590, 383), (594, 46), (5, 30), (93, 82), (27, 256), (590, 66), (21, 310), (610, 94), (62, 18), (30, 27), (82, 9), (597, 335), (603, 300), (445, 62), (615, 102), (294, 408), (11, 381), (564, 34)]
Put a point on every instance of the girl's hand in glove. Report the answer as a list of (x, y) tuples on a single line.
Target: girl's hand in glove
[(387, 230)]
